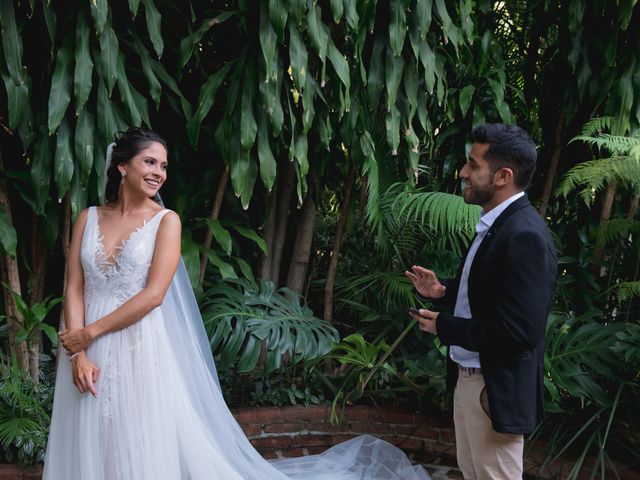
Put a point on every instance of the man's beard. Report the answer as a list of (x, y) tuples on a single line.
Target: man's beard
[(478, 195)]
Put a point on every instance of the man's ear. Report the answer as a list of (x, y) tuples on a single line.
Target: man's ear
[(503, 176)]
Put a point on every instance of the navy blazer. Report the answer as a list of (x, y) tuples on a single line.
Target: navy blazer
[(510, 289)]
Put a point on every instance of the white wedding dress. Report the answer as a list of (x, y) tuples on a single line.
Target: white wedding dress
[(160, 414)]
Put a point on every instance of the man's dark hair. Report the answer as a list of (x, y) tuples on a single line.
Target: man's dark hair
[(509, 147)]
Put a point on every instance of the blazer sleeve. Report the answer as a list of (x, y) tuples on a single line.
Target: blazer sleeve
[(522, 301)]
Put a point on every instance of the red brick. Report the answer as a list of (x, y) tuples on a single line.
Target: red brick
[(34, 473), (406, 443), (293, 452), (359, 412), (284, 428), (259, 415), (327, 427), (313, 440), (269, 454), (312, 413), (271, 442), (252, 430), (447, 435), (373, 428), (336, 439), (313, 450), (392, 416)]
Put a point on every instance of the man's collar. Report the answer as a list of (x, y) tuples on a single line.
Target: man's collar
[(487, 219)]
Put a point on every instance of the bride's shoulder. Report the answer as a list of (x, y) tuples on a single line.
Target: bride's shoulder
[(170, 220)]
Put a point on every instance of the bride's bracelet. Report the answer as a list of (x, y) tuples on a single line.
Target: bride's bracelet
[(71, 357)]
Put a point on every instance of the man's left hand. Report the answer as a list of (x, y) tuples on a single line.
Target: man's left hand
[(427, 320)]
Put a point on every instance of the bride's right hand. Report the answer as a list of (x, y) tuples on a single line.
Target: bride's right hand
[(85, 373)]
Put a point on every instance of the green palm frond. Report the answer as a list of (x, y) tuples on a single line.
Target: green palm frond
[(596, 126), (446, 214), (592, 176), (616, 229), (615, 144), (627, 290), (391, 287)]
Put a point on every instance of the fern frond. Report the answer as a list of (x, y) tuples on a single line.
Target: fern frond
[(627, 290), (595, 126), (444, 213), (615, 144), (595, 174)]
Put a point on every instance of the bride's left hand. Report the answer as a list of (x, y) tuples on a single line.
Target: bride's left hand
[(75, 340)]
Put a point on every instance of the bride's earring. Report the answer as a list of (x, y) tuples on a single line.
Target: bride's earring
[(124, 174)]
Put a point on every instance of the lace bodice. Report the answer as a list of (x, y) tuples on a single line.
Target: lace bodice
[(126, 273)]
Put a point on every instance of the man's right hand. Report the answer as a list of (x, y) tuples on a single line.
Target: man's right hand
[(425, 282), (85, 374)]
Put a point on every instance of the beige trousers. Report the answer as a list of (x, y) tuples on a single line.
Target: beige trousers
[(483, 453)]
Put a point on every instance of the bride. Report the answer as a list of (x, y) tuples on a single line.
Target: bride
[(138, 397)]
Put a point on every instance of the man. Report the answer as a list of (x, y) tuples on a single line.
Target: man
[(501, 298)]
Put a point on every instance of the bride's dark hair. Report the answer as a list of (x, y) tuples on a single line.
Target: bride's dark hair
[(127, 145)]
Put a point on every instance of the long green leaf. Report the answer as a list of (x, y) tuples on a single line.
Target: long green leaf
[(205, 102), (61, 82), (221, 234), (297, 57), (83, 147), (99, 12), (125, 93), (226, 269), (41, 169), (393, 75), (337, 9), (50, 19), (267, 44), (63, 159), (278, 13), (154, 20), (8, 236), (133, 8), (17, 100), (11, 42), (268, 166), (83, 73), (109, 57), (154, 84), (423, 16), (188, 44), (248, 125), (397, 28)]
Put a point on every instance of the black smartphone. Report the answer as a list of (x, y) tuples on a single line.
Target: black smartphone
[(413, 310)]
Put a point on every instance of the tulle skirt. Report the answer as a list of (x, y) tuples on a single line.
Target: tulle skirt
[(160, 415)]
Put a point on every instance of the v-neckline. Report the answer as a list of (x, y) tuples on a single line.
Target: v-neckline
[(113, 257)]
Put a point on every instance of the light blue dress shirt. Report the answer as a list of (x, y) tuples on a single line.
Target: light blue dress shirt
[(460, 355)]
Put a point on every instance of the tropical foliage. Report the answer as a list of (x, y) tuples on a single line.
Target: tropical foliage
[(314, 146)]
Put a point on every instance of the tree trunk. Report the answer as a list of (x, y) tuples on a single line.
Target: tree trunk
[(10, 275), (268, 234), (605, 214), (36, 293), (302, 247), (337, 244), (215, 214), (282, 217), (553, 166)]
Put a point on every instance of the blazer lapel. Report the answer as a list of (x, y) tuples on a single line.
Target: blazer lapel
[(519, 204)]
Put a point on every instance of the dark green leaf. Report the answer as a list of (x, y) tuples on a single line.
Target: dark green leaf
[(82, 77), (337, 9), (8, 236), (268, 167), (154, 21), (268, 44), (278, 13), (17, 100), (99, 12), (397, 27), (252, 235), (466, 94), (61, 82), (109, 57), (423, 16), (226, 270), (393, 74), (297, 57), (221, 234), (11, 42), (50, 19), (63, 159), (41, 169), (85, 128), (248, 125)]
